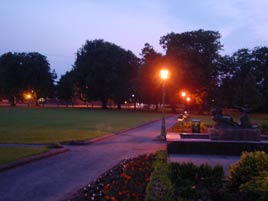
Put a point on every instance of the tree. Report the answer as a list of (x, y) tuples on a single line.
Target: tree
[(38, 75), (104, 70), (260, 55), (239, 81), (20, 72), (195, 56), (148, 78), (11, 75), (124, 84), (66, 87)]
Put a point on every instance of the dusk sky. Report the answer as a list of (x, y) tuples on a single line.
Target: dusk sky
[(58, 28)]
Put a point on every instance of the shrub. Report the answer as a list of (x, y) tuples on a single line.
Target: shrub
[(264, 128), (256, 188), (250, 165), (193, 182), (160, 187), (203, 127)]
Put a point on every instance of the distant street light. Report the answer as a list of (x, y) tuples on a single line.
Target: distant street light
[(164, 77), (188, 99), (28, 97), (183, 94)]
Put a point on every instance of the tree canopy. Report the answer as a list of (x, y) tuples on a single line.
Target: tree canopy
[(148, 82), (104, 70), (193, 57), (66, 87), (20, 72), (244, 78)]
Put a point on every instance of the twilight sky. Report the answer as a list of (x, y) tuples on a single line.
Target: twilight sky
[(58, 28)]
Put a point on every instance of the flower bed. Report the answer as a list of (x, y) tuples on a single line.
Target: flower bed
[(150, 177), (186, 127), (125, 181)]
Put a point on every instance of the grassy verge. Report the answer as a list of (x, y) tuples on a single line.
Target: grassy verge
[(9, 154)]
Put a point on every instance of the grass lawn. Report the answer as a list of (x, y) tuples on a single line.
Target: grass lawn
[(254, 118), (43, 125), (8, 154)]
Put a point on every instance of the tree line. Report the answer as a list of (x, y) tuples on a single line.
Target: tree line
[(104, 71)]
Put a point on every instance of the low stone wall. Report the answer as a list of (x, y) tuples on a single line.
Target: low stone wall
[(214, 147), (238, 134), (194, 136)]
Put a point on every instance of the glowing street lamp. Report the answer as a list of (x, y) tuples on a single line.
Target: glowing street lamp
[(28, 97), (183, 94), (188, 99), (164, 77), (164, 74)]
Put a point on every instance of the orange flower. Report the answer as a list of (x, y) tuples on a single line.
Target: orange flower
[(127, 177), (107, 187)]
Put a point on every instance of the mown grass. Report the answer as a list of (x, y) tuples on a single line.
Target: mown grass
[(44, 125), (9, 154)]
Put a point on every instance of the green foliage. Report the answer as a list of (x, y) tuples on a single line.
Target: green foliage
[(160, 187), (193, 182), (263, 127), (256, 188), (248, 170)]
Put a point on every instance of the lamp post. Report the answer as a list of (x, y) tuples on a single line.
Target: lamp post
[(183, 94), (164, 76)]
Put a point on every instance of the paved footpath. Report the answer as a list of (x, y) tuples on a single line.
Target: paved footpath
[(58, 177)]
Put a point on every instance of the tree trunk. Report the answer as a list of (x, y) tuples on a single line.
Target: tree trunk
[(36, 103), (12, 101), (119, 106), (104, 104), (156, 107)]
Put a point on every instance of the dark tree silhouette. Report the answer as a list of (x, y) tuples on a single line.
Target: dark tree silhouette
[(239, 82), (25, 71), (104, 70), (260, 55), (148, 81), (195, 56), (66, 87)]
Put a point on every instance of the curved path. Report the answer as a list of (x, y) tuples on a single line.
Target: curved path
[(58, 177)]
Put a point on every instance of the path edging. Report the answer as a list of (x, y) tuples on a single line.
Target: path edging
[(98, 139)]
